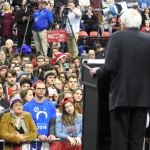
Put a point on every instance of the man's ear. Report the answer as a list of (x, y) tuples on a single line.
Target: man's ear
[(122, 27)]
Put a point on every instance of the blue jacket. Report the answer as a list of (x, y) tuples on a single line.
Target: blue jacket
[(63, 131), (41, 19)]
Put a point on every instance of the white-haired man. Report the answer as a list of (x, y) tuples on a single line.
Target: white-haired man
[(9, 44), (127, 61)]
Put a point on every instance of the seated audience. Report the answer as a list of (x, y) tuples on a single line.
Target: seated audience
[(146, 28), (92, 54), (90, 20), (100, 51), (145, 16)]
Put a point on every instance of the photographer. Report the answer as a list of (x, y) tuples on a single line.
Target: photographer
[(42, 17), (73, 28), (21, 17)]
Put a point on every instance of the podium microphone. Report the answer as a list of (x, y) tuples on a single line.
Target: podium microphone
[(87, 67)]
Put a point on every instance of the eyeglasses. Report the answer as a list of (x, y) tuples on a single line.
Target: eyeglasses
[(41, 89)]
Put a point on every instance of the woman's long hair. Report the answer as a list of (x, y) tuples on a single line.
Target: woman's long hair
[(3, 10), (68, 119), (78, 105)]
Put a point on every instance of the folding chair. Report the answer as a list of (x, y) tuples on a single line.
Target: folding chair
[(105, 34), (83, 39), (93, 39)]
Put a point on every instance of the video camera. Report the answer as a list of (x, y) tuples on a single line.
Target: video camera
[(56, 12), (30, 5), (65, 11)]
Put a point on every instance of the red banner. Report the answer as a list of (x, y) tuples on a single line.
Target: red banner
[(56, 36)]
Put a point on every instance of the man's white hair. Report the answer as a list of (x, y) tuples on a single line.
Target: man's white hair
[(131, 18), (10, 41)]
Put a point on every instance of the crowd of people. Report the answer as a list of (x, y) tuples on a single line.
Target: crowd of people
[(41, 96), (47, 91)]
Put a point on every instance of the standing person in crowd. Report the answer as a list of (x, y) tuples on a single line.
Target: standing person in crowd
[(22, 17), (100, 52), (40, 108), (11, 84), (14, 94), (73, 28), (69, 124), (25, 83), (40, 61), (106, 19), (6, 22), (84, 4), (41, 71), (58, 85), (42, 17), (16, 58), (21, 76), (4, 104), (146, 27), (49, 78), (3, 70), (26, 95), (65, 86), (145, 15), (62, 77), (77, 97), (92, 54), (17, 126), (18, 69), (3, 58), (72, 82), (63, 95), (25, 59), (28, 68), (9, 44), (127, 61)]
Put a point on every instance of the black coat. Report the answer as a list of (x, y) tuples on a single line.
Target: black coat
[(128, 62), (22, 25)]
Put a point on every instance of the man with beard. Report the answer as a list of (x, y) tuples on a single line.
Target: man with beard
[(3, 70), (11, 85), (40, 108)]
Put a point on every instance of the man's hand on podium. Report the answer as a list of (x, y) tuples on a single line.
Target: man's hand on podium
[(93, 71)]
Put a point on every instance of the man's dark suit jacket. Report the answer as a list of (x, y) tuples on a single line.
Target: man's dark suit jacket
[(128, 62)]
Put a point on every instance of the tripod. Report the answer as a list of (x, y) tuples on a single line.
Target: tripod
[(72, 30), (25, 34)]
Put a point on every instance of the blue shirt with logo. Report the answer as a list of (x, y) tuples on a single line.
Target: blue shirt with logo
[(41, 113)]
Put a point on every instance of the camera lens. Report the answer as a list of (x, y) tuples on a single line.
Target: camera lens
[(67, 69)]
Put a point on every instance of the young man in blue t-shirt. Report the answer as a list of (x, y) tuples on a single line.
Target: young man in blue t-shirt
[(43, 112)]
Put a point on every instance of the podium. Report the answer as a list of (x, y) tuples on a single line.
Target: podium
[(96, 119)]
